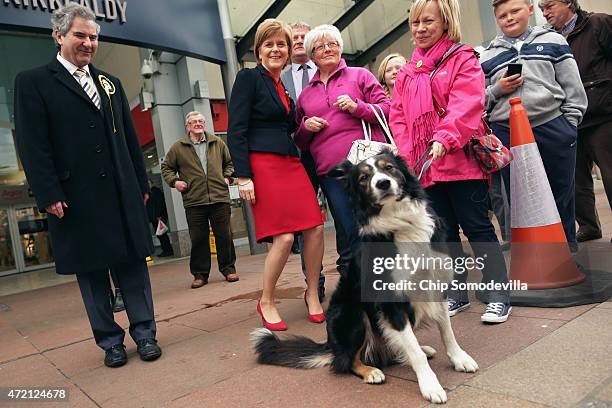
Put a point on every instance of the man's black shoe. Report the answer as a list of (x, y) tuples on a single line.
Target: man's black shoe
[(148, 349), (582, 236), (118, 305), (115, 356)]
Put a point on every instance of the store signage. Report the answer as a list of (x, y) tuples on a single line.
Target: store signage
[(108, 9), (186, 27)]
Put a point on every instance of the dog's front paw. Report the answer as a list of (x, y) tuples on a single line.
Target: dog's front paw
[(433, 391), (375, 376), (463, 362)]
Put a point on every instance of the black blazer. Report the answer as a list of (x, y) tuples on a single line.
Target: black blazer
[(258, 120), (72, 151)]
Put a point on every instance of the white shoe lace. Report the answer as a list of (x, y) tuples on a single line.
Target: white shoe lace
[(495, 308)]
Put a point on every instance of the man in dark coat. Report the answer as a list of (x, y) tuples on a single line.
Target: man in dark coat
[(83, 163), (156, 210), (590, 37)]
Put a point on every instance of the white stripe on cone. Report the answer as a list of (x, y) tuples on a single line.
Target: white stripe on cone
[(533, 204)]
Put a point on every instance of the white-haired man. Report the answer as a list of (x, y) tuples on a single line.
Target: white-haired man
[(199, 166), (84, 165), (590, 37)]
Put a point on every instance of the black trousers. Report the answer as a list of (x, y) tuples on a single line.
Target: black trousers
[(465, 204), (311, 170), (594, 146), (219, 215), (133, 279)]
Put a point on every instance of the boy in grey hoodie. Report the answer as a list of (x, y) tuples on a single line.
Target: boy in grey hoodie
[(552, 93)]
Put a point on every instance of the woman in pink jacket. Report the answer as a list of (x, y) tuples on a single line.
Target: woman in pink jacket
[(448, 72), (329, 114)]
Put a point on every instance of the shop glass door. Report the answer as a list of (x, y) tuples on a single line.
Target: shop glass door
[(34, 237), (7, 258)]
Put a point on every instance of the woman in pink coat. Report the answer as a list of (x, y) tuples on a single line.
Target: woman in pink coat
[(448, 72)]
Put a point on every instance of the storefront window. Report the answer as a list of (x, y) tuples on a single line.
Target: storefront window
[(26, 51), (7, 261), (34, 236)]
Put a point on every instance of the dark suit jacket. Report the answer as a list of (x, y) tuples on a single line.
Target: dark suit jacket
[(258, 120), (72, 151), (287, 78)]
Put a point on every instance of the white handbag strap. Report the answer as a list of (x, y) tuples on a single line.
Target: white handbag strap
[(367, 130), (382, 121)]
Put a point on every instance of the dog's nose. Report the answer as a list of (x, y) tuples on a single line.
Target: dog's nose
[(383, 184)]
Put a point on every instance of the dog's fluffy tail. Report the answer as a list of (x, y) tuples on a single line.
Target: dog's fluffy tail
[(295, 351)]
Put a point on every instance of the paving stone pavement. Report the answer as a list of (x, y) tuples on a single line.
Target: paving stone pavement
[(539, 358)]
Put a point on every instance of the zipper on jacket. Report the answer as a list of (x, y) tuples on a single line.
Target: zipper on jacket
[(206, 175)]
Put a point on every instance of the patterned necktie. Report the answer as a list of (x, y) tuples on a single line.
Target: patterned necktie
[(81, 76), (305, 77)]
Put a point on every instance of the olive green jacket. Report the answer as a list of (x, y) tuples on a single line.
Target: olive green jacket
[(182, 163)]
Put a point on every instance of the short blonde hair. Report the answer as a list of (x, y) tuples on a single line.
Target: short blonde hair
[(451, 15), (267, 29), (320, 32), (301, 24), (497, 3), (383, 67)]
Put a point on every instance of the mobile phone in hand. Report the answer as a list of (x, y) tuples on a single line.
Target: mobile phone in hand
[(514, 69)]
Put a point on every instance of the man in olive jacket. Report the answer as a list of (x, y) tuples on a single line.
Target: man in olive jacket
[(590, 37), (83, 162), (200, 168)]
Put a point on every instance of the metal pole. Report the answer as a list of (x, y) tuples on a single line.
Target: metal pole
[(229, 71)]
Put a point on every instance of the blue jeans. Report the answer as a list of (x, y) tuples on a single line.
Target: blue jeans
[(465, 204), (344, 219)]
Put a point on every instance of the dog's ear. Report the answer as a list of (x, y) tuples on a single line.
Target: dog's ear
[(341, 171), (402, 165)]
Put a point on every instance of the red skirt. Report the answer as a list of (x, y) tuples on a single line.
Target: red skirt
[(284, 197)]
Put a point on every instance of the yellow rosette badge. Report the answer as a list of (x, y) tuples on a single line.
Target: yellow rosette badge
[(109, 88)]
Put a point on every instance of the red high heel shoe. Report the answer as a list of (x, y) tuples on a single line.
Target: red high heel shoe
[(315, 318), (280, 326)]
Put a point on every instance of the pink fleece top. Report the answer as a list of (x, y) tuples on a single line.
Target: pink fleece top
[(331, 145), (459, 87)]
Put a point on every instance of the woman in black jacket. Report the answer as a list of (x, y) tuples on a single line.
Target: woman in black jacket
[(270, 175)]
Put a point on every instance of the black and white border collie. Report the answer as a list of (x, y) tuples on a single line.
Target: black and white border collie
[(362, 337)]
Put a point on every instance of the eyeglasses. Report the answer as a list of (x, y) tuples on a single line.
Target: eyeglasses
[(331, 45), (191, 122)]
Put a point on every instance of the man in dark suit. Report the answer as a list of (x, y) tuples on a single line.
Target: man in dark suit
[(83, 163)]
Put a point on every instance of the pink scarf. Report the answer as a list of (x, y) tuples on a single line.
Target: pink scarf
[(421, 113)]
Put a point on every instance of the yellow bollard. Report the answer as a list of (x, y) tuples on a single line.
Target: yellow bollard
[(213, 245)]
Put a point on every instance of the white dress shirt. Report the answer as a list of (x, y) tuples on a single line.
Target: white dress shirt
[(72, 69), (297, 75)]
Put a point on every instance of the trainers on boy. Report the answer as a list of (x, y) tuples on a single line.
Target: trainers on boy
[(496, 312), (456, 306)]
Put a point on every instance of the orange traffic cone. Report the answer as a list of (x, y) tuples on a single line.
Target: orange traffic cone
[(540, 255)]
